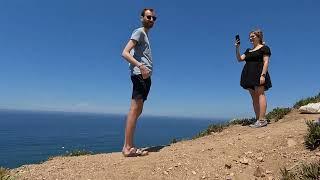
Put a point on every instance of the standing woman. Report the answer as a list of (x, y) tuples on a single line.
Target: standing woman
[(255, 77)]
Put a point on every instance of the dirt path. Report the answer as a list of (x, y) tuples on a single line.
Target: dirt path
[(234, 153)]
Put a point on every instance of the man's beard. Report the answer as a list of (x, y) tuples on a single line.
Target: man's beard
[(147, 25)]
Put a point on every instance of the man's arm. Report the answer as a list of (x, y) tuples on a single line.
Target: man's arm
[(127, 56), (126, 53)]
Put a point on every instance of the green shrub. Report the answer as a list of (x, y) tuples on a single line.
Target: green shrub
[(306, 172), (211, 128), (4, 174), (78, 153), (277, 113), (243, 122), (287, 175), (312, 139), (311, 171), (174, 140), (306, 101)]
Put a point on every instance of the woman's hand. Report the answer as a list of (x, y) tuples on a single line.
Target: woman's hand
[(262, 80)]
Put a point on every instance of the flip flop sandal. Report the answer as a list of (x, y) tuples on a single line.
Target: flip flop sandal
[(134, 152)]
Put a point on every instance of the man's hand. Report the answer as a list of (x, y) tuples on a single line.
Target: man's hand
[(145, 72)]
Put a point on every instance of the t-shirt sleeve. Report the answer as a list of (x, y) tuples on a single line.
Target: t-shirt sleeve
[(266, 51), (137, 35), (247, 51)]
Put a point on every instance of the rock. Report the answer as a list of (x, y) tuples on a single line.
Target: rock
[(268, 172), (203, 177), (260, 159), (228, 178), (170, 168), (228, 165), (244, 161), (193, 172), (291, 143), (165, 172), (259, 172)]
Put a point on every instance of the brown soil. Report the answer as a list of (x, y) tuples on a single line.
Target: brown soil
[(234, 153)]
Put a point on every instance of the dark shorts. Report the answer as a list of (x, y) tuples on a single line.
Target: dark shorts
[(141, 87)]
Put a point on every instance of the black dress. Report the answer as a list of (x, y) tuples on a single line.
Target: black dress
[(252, 70)]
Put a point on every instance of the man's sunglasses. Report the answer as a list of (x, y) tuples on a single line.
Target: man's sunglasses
[(153, 17)]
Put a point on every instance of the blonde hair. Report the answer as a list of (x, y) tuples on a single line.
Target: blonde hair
[(259, 34)]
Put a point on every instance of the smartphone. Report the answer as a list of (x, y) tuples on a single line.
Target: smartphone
[(238, 38)]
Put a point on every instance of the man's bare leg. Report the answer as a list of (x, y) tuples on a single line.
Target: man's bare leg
[(132, 117)]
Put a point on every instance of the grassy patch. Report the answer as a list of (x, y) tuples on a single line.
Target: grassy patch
[(312, 139), (243, 122), (211, 129), (78, 153), (306, 101), (306, 172), (4, 174), (287, 175), (277, 113), (214, 128)]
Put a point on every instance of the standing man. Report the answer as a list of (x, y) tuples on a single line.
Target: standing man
[(138, 53)]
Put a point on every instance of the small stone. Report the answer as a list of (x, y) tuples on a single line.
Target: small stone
[(228, 178), (260, 159), (170, 168), (268, 172), (259, 172), (203, 177), (244, 161), (165, 172), (228, 165), (193, 172), (248, 153)]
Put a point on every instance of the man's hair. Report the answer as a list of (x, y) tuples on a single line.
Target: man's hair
[(146, 9)]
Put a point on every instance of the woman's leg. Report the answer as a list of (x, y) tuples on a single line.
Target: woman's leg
[(255, 102), (262, 102)]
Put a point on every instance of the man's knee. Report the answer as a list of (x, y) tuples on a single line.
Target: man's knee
[(137, 106)]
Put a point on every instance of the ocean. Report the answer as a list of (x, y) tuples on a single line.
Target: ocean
[(29, 137)]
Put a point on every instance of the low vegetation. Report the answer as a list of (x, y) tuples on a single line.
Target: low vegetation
[(78, 153), (305, 171), (243, 121), (213, 128), (4, 174), (312, 139), (277, 113), (306, 101)]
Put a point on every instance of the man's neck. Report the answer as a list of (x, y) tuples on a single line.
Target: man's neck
[(146, 30)]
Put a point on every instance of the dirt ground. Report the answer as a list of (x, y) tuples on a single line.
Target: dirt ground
[(237, 153)]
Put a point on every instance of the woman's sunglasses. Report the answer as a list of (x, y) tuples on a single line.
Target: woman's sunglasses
[(153, 17)]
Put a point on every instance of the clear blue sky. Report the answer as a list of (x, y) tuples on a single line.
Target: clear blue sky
[(65, 55)]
